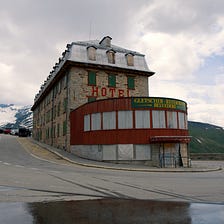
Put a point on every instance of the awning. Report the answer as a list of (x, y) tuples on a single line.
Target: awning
[(170, 139)]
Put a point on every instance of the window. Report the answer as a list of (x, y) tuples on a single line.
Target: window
[(91, 51), (65, 80), (87, 122), (158, 119), (91, 78), (96, 121), (65, 104), (130, 59), (131, 82), (125, 119), (142, 119), (59, 108), (58, 130), (171, 119), (64, 128), (182, 120), (109, 120), (112, 80), (111, 56), (91, 99)]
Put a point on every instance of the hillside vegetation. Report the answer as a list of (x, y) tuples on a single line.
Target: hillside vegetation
[(206, 138)]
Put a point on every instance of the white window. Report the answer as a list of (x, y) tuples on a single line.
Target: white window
[(125, 119), (171, 119), (87, 122), (158, 119), (109, 120), (182, 120), (96, 121), (142, 119)]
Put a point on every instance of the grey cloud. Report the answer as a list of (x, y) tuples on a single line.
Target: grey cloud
[(183, 16)]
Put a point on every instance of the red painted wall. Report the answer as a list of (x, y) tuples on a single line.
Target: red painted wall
[(117, 136)]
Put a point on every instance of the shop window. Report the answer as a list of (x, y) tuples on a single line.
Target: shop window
[(125, 119), (96, 121), (158, 119), (91, 78), (112, 80), (182, 120), (91, 51), (131, 82), (171, 119), (111, 56), (130, 59), (87, 122), (109, 120), (142, 119)]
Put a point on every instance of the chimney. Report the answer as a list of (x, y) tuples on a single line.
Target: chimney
[(106, 41)]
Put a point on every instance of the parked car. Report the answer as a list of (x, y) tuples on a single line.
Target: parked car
[(24, 132), (7, 131), (14, 132)]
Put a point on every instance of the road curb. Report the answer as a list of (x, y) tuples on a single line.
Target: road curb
[(160, 170)]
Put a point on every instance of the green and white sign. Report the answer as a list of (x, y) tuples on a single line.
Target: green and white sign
[(156, 102)]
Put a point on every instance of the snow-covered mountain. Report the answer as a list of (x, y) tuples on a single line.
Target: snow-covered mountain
[(12, 116)]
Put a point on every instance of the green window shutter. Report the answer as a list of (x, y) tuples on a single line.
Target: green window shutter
[(91, 99), (112, 80), (92, 78), (131, 82), (64, 127)]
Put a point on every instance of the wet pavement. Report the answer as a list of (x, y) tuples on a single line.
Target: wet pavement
[(111, 211)]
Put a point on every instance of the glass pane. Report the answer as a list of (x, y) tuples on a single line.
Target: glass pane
[(87, 122), (142, 119), (96, 121), (158, 119), (171, 119), (182, 120), (125, 119), (109, 120)]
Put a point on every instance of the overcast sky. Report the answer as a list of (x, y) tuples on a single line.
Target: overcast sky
[(183, 41)]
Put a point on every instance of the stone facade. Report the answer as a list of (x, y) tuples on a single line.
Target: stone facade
[(68, 87)]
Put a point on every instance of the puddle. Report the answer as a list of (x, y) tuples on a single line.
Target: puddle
[(111, 211)]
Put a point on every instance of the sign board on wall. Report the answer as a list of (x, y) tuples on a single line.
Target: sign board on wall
[(156, 102)]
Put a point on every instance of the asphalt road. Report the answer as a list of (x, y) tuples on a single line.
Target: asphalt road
[(27, 178)]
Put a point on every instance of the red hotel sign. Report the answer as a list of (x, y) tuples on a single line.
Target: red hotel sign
[(108, 92)]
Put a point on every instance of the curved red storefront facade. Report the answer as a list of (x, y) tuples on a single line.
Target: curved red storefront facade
[(134, 121), (122, 136)]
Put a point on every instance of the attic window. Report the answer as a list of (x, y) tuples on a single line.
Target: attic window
[(111, 56), (91, 51), (130, 59)]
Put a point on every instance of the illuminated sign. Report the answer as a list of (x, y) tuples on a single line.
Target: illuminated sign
[(155, 102)]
